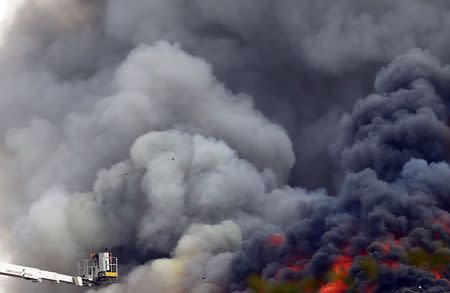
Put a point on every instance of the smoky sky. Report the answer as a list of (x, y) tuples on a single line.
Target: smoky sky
[(154, 126)]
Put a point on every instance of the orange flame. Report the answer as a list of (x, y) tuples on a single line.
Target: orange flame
[(340, 269), (342, 264), (335, 287)]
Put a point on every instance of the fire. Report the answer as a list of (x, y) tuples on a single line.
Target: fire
[(387, 247), (335, 287), (338, 278), (342, 264), (339, 275), (292, 268), (392, 264), (437, 274), (275, 240), (444, 222), (296, 268)]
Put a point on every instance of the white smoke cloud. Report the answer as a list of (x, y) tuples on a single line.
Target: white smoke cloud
[(160, 183), (200, 262)]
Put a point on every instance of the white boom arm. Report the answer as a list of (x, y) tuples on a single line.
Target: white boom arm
[(37, 275)]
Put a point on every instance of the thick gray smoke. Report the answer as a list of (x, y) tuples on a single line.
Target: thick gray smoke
[(178, 129)]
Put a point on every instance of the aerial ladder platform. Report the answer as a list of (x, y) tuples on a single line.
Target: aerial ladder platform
[(99, 270)]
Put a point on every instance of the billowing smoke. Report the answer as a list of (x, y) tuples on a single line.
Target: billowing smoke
[(213, 145), (393, 202), (201, 262)]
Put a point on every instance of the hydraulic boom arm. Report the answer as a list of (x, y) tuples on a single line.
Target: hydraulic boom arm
[(101, 269), (37, 275)]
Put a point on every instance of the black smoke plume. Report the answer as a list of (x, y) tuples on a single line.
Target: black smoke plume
[(393, 203)]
